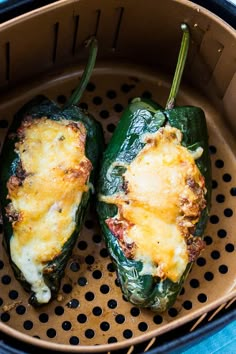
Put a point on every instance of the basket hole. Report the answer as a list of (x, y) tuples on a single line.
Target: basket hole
[(74, 340), (43, 317), (61, 99), (209, 276), (187, 305), (74, 267), (66, 325), (20, 309), (97, 238), (157, 319), (221, 233), (59, 310), (219, 163), (111, 127), (73, 304), (1, 264), (233, 191), (127, 88), (82, 281), (111, 94), (212, 149), (215, 254), (97, 100), (89, 224), (104, 253), (135, 311), (214, 219), (223, 269), (220, 198), (6, 279), (142, 326), (97, 274), (147, 94), (208, 240), (127, 333), (89, 296), (97, 311), (194, 283), (91, 87), (111, 267), (172, 312), (104, 114), (226, 177), (82, 245), (120, 318), (201, 261), (89, 260), (214, 184), (13, 294), (202, 297), (105, 326), (89, 333), (229, 247), (118, 108), (112, 304), (82, 318), (83, 106), (67, 288), (228, 212), (51, 333), (5, 317), (28, 325), (112, 340), (104, 289)]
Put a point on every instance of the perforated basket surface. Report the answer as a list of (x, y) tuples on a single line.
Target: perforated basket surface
[(90, 313)]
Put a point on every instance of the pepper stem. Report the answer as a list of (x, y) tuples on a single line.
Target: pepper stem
[(179, 67), (76, 95)]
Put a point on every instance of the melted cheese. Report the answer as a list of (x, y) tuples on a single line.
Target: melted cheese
[(52, 154), (155, 181)]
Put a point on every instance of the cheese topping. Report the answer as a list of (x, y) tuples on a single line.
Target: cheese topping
[(159, 204), (51, 178)]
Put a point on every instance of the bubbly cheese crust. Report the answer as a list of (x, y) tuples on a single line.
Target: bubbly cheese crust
[(45, 193), (162, 199)]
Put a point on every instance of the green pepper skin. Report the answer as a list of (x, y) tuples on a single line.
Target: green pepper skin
[(139, 118), (37, 108)]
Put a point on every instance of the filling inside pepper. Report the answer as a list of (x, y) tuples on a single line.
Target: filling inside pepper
[(162, 199), (45, 193)]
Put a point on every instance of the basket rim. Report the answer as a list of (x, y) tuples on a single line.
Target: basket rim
[(62, 3), (119, 345), (202, 332)]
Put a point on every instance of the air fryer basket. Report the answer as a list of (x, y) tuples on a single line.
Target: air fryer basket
[(42, 53)]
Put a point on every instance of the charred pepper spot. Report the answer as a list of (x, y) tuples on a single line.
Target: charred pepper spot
[(194, 245), (50, 269), (125, 185), (13, 183), (118, 229), (12, 214), (21, 174)]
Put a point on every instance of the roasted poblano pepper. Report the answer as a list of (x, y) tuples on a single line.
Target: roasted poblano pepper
[(48, 164), (154, 195)]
